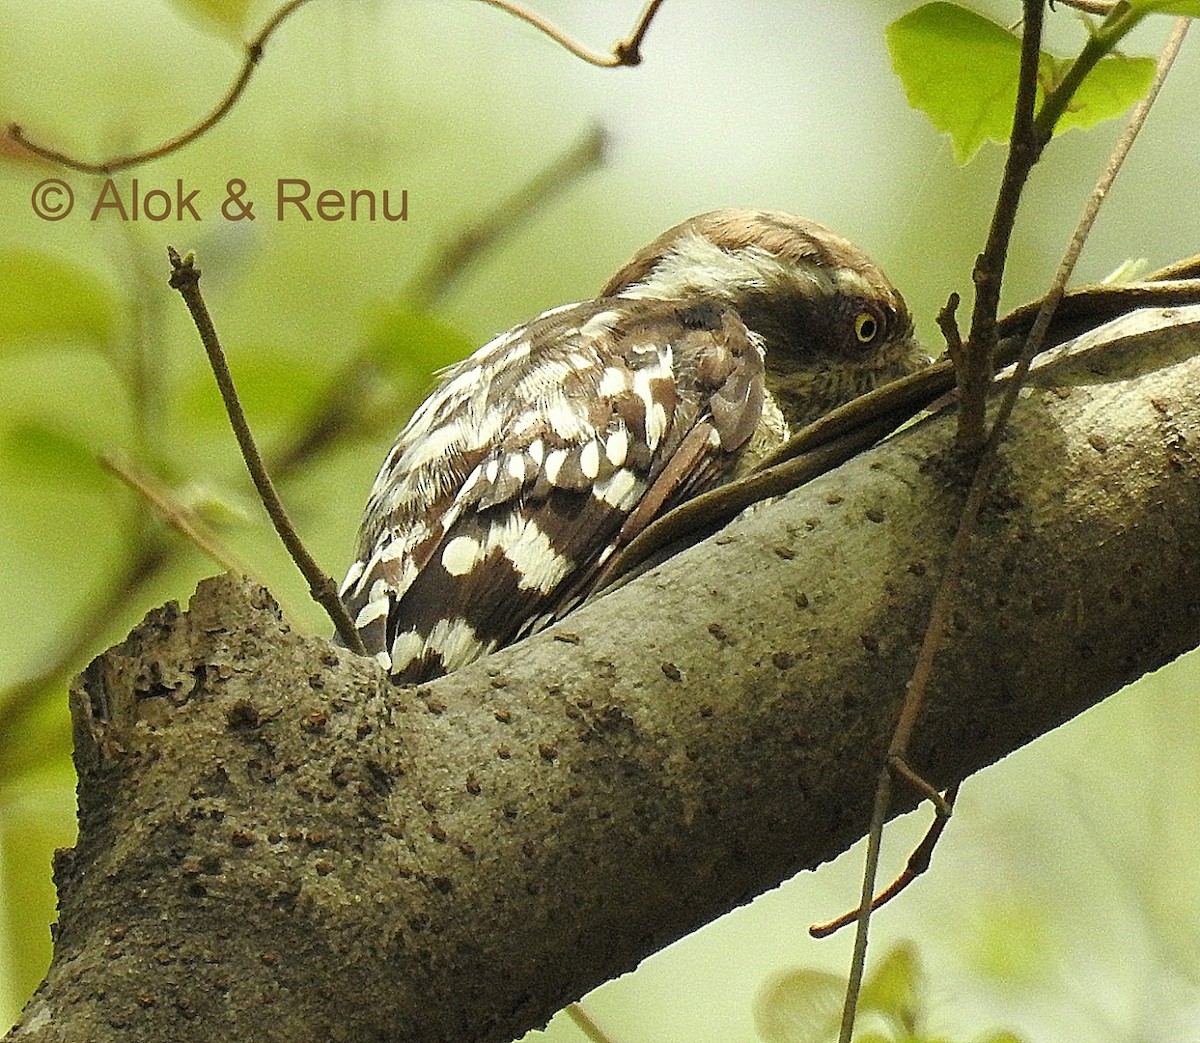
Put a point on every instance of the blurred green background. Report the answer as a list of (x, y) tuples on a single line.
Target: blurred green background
[(1061, 903)]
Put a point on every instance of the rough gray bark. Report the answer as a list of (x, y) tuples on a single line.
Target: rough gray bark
[(276, 844)]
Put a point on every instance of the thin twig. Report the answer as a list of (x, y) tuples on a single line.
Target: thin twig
[(975, 366), (858, 959), (1188, 268), (948, 324), (1100, 42), (185, 277), (1137, 120), (705, 514), (254, 53), (947, 593), (586, 1024), (918, 863), (1098, 7), (625, 52), (1030, 134), (178, 516)]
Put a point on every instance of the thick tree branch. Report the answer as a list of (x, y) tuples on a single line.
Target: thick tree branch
[(277, 844)]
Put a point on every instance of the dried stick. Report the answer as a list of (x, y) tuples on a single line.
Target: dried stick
[(586, 1023), (917, 863), (947, 592), (175, 514), (185, 277), (254, 53), (624, 52)]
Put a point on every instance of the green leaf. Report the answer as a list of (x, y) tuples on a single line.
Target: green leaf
[(225, 17), (800, 1006), (894, 987), (45, 298), (1110, 88), (961, 70)]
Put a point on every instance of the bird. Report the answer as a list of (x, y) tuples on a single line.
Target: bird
[(553, 445)]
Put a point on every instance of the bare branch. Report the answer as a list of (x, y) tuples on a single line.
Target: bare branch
[(587, 1024), (946, 598), (543, 764), (975, 366), (185, 277), (918, 863), (254, 52), (625, 52)]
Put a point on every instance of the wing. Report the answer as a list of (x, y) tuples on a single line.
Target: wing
[(533, 461)]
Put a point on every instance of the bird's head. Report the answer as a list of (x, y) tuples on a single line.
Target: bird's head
[(831, 324)]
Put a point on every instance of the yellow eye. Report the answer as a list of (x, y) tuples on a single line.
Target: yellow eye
[(866, 327)]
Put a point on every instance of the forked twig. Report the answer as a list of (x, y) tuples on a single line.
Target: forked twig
[(974, 364), (917, 863), (254, 53), (625, 52), (185, 277), (947, 592)]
